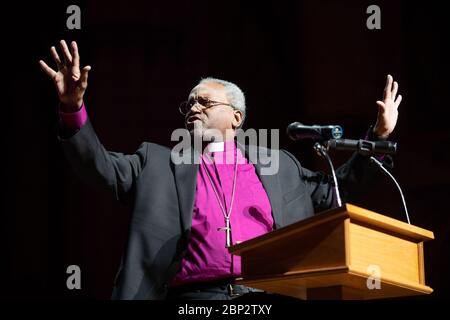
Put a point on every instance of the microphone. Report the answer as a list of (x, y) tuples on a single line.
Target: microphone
[(363, 147), (298, 131)]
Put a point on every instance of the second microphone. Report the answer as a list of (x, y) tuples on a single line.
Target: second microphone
[(297, 131)]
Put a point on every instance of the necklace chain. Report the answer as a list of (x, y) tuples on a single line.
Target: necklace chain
[(225, 214)]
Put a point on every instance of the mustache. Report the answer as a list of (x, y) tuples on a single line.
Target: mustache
[(192, 116)]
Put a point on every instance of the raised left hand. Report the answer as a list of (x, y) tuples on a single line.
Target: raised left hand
[(387, 109)]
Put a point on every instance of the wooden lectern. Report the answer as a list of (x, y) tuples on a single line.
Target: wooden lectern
[(343, 253)]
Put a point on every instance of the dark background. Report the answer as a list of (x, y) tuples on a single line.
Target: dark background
[(309, 61)]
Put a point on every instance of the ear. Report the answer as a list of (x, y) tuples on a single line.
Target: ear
[(237, 118)]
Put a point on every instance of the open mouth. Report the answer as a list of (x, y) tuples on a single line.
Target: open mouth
[(192, 118)]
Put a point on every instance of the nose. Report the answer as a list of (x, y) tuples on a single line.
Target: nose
[(196, 106)]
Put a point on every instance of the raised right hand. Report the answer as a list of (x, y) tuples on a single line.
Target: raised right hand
[(69, 81)]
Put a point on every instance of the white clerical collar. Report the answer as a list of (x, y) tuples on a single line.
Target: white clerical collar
[(215, 147)]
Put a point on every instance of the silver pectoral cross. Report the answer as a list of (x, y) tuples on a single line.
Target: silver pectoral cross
[(227, 229)]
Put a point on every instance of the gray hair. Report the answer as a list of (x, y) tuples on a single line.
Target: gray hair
[(234, 94)]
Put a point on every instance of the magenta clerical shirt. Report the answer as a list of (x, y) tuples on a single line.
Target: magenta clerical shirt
[(207, 258)]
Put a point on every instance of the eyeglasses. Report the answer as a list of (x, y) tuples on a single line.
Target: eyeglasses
[(186, 106)]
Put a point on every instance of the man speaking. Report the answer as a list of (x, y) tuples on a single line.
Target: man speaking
[(186, 215)]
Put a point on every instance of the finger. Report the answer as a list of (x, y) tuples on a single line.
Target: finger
[(388, 87), (56, 58), (394, 90), (381, 107), (76, 56), (399, 99), (49, 71), (381, 104), (66, 53), (84, 76)]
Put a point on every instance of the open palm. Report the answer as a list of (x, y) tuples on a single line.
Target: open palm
[(388, 109), (70, 82)]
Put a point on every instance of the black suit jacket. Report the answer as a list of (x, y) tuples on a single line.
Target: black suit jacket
[(163, 196)]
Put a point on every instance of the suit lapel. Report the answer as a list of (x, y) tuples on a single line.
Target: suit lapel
[(271, 183), (186, 181)]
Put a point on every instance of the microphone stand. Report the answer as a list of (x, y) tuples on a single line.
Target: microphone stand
[(362, 147), (322, 151), (374, 160)]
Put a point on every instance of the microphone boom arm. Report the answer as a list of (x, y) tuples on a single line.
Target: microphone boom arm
[(322, 151), (376, 161)]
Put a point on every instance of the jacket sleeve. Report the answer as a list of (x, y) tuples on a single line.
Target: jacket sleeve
[(356, 175), (113, 170)]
